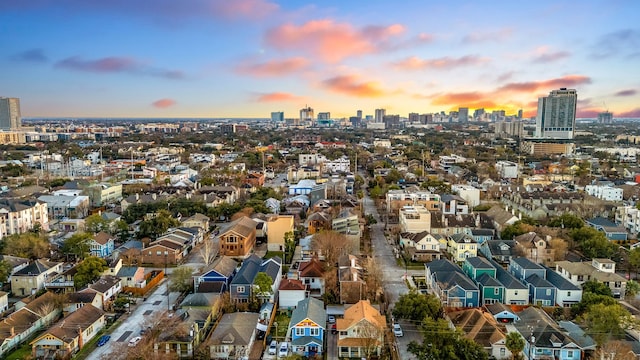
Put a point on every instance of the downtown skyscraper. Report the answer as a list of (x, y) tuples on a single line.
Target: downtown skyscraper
[(556, 118), (10, 118)]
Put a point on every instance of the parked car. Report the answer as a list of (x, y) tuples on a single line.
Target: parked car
[(397, 330), (273, 347), (334, 329), (103, 340), (133, 342), (284, 349), (332, 319)]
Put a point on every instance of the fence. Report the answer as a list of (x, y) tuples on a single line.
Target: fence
[(153, 278)]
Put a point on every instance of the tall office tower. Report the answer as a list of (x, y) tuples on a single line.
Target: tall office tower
[(380, 113), (414, 118), (478, 114), (10, 118), (463, 114), (306, 114), (605, 117), (277, 116), (520, 114), (359, 114), (324, 116), (426, 118), (556, 117)]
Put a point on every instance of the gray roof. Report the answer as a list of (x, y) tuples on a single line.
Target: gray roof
[(486, 280), (127, 271), (36, 268), (450, 279), (582, 339), (309, 308), (560, 282), (495, 247), (442, 265), (235, 329), (200, 300), (225, 266), (526, 263), (538, 281), (509, 281), (479, 263)]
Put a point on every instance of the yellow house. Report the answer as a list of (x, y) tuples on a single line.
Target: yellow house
[(462, 246), (277, 227)]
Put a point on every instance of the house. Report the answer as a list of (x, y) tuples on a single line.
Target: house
[(500, 218), (233, 337), (27, 320), (317, 222), (290, 292), (361, 331), (348, 223), (502, 313), (534, 248), (197, 220), (546, 338), (500, 251), (462, 246), (132, 276), (70, 334), (611, 230), (414, 219), (242, 287), (600, 270), (277, 228), (238, 238), (453, 204), (311, 273), (350, 279), (4, 301), (451, 285), (307, 327), (422, 246), (522, 268), (162, 252), (107, 286), (63, 282), (76, 300), (476, 266), (482, 235), (222, 270), (491, 290), (483, 329), (32, 278), (515, 292), (102, 244), (16, 263), (185, 332), (19, 216), (541, 292), (567, 293)]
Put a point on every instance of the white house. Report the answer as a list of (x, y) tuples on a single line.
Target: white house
[(290, 292)]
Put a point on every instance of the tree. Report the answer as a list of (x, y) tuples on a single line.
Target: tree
[(596, 287), (559, 247), (416, 306), (181, 279), (614, 350), (634, 259), (89, 270), (607, 322), (208, 252), (289, 246), (515, 343), (78, 245), (331, 244), (566, 221), (158, 225), (5, 271), (632, 289), (122, 230), (95, 223), (373, 278), (516, 229), (27, 245), (443, 343), (263, 284)]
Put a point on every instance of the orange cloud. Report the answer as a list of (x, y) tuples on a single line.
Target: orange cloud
[(415, 63), (164, 103), (278, 97), (546, 85), (350, 85), (331, 41), (273, 67), (458, 98)]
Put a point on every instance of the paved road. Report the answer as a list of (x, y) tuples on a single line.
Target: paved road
[(155, 304)]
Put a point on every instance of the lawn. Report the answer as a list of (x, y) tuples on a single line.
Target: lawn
[(283, 326), (22, 352)]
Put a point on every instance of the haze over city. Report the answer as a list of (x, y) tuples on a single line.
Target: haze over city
[(246, 58)]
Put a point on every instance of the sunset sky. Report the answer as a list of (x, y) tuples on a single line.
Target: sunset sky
[(247, 58)]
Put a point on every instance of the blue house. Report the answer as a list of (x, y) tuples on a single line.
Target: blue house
[(451, 285), (102, 245), (482, 235), (491, 290), (242, 289), (307, 327), (522, 268), (549, 341), (515, 292), (541, 292), (611, 230), (221, 272), (476, 266), (502, 313)]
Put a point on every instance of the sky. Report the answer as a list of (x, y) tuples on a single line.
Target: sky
[(247, 58)]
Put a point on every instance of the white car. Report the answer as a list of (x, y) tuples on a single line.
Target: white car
[(284, 350), (273, 347), (397, 330), (133, 342)]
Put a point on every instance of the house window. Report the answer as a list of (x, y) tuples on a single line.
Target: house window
[(548, 292), (515, 293), (240, 289), (570, 353), (469, 294), (314, 331), (299, 331), (568, 293), (618, 284), (503, 352), (496, 291)]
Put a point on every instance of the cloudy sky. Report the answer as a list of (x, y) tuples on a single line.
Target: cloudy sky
[(246, 58)]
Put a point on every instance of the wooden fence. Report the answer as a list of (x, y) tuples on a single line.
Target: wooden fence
[(153, 278)]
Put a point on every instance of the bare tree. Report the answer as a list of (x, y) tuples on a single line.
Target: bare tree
[(614, 350), (208, 252), (372, 338), (331, 244), (373, 278), (559, 247)]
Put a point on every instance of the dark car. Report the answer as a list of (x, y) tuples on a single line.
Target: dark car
[(103, 340)]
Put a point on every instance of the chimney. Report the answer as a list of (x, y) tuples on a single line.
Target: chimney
[(520, 216), (446, 222), (153, 196), (80, 339), (478, 220), (137, 196), (513, 211), (12, 331)]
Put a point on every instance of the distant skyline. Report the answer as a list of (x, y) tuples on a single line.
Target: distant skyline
[(248, 58)]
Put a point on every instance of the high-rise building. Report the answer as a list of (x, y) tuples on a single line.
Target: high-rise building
[(359, 114), (306, 114), (414, 118), (556, 117), (463, 114), (324, 116), (605, 117), (520, 114), (478, 114), (380, 113), (426, 118), (10, 118), (277, 116)]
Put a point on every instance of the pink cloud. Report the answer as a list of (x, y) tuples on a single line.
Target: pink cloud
[(115, 64), (352, 86), (163, 103), (547, 57), (331, 41), (628, 92), (484, 36), (546, 85), (587, 113), (273, 67), (635, 113), (415, 63), (278, 97), (244, 8)]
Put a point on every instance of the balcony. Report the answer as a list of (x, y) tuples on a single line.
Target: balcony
[(61, 283)]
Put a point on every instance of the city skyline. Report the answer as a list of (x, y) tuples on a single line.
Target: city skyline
[(249, 58)]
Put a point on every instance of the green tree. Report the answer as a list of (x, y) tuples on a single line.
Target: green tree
[(95, 223), (515, 343), (588, 299), (5, 271), (158, 225), (607, 322), (78, 245), (516, 229), (632, 289), (89, 270), (567, 221), (443, 343), (181, 279), (27, 245), (596, 287), (289, 246), (416, 306), (263, 284), (122, 230), (634, 259)]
